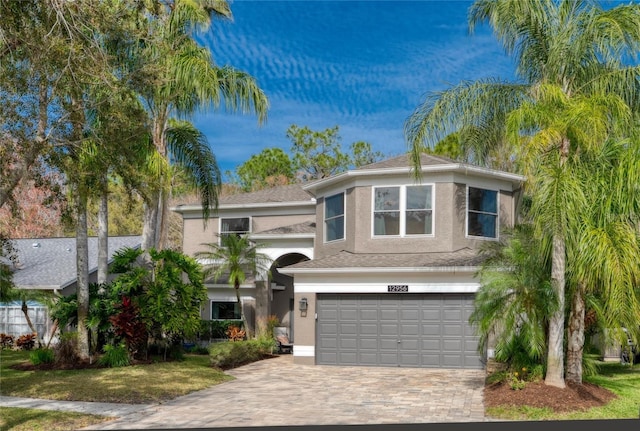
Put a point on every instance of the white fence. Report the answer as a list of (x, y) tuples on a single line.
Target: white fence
[(13, 322)]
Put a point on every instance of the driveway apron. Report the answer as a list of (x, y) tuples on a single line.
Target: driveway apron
[(277, 392)]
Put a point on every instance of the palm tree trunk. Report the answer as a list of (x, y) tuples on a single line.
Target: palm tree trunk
[(150, 225), (236, 286), (25, 311), (103, 232), (575, 337), (555, 355), (82, 266)]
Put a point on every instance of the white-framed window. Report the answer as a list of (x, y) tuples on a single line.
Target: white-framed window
[(482, 212), (225, 310), (334, 217), (235, 226), (403, 210)]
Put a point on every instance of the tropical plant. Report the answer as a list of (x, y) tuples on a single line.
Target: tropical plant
[(515, 298), (175, 76), (168, 295), (115, 356), (233, 257), (569, 58)]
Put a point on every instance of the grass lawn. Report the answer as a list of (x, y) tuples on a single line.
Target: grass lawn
[(18, 419), (138, 384), (622, 380)]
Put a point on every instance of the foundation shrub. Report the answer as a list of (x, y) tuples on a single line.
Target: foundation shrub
[(231, 354)]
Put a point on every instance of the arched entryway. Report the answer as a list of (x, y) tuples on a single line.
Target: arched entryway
[(281, 291)]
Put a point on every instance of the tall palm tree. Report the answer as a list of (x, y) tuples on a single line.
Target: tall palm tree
[(572, 45), (175, 77), (233, 257)]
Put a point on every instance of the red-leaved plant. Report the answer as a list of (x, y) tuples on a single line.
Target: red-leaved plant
[(128, 324)]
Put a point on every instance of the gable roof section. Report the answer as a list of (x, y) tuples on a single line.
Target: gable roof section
[(280, 196), (463, 260), (50, 263)]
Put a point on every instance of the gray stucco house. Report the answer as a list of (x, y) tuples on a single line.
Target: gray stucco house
[(371, 267)]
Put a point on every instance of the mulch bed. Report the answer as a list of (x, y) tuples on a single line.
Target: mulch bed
[(537, 394)]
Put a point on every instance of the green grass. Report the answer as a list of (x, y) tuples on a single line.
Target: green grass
[(19, 419), (138, 384), (622, 380)]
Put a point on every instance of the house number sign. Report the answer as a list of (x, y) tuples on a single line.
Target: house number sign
[(397, 288)]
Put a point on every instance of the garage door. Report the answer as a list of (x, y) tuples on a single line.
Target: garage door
[(406, 330)]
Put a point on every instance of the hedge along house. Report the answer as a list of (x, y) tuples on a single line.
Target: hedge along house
[(281, 220), (392, 280), (370, 267)]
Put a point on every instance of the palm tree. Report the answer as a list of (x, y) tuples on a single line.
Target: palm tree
[(515, 297), (175, 77), (573, 46), (234, 256)]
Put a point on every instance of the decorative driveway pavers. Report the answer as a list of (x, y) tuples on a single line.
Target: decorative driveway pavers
[(277, 392)]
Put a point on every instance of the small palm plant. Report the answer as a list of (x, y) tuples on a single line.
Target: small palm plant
[(234, 256)]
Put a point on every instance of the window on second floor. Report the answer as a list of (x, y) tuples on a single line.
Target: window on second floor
[(403, 210), (482, 212), (334, 217), (235, 226)]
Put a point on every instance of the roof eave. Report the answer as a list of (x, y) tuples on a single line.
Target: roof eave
[(350, 270), (192, 207)]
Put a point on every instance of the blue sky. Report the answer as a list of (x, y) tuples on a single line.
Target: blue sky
[(361, 65)]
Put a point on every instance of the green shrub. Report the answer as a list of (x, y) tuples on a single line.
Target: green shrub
[(42, 356), (211, 329), (230, 354), (115, 356)]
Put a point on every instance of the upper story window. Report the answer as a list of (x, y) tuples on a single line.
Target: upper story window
[(334, 217), (482, 212), (236, 226), (403, 210)]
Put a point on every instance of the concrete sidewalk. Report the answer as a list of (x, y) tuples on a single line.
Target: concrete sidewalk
[(103, 409)]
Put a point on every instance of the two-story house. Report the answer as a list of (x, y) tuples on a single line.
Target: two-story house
[(384, 274)]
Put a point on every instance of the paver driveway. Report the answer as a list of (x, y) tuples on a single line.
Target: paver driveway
[(277, 392)]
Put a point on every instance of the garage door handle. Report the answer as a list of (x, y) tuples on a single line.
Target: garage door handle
[(399, 341)]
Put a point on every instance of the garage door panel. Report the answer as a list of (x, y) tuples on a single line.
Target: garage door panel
[(449, 345), (448, 330), (411, 330), (348, 343), (408, 329)]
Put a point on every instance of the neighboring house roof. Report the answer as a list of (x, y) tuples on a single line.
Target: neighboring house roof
[(50, 263), (308, 227), (402, 165), (464, 259)]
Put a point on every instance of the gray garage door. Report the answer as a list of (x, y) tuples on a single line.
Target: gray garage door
[(406, 330)]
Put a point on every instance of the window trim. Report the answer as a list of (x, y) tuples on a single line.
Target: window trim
[(467, 210), (402, 209), (344, 217)]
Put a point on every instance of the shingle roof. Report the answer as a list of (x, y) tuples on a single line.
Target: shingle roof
[(48, 263), (305, 227), (404, 162), (288, 193), (464, 257)]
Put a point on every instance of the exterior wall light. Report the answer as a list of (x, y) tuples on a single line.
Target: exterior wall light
[(303, 305)]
